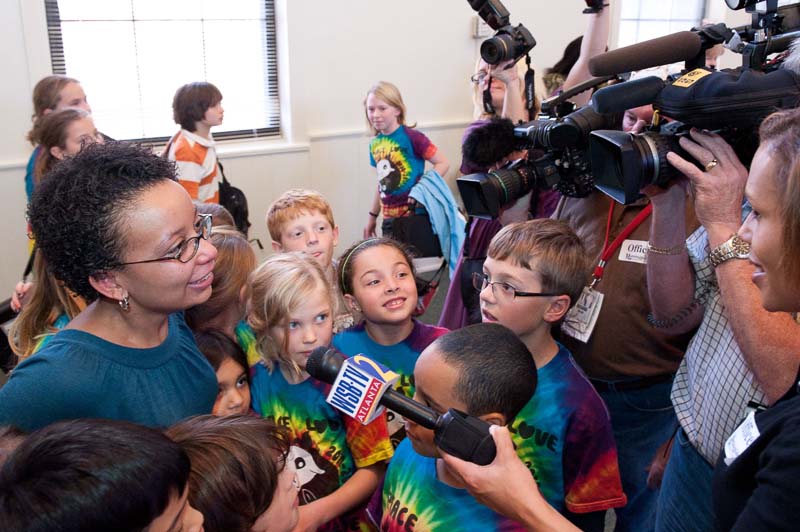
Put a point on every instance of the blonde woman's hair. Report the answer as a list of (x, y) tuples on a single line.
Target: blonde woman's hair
[(280, 285), (235, 262), (49, 299), (390, 94)]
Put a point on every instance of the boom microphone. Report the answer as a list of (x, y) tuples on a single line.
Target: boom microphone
[(681, 46), (359, 383), (628, 95)]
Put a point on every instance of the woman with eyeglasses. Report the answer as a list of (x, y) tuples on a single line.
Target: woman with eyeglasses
[(119, 231)]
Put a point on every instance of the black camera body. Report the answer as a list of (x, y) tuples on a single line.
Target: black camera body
[(557, 160), (508, 42), (730, 102)]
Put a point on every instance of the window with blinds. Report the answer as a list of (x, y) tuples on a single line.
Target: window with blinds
[(641, 20), (132, 55)]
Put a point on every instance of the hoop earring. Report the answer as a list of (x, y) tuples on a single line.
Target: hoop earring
[(125, 304)]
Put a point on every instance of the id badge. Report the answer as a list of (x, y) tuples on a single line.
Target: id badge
[(581, 319), (741, 438)]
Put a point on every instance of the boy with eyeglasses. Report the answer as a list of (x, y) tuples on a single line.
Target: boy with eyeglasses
[(534, 272)]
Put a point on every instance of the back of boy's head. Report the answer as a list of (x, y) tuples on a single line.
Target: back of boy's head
[(217, 347), (389, 93), (276, 288), (235, 461), (496, 371), (90, 474), (191, 101), (292, 204), (344, 271), (220, 216), (235, 262), (549, 248)]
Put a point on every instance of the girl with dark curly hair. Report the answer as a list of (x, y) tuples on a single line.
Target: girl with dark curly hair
[(117, 229)]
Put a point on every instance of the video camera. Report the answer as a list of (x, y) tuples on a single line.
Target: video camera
[(508, 42), (730, 102), (557, 157)]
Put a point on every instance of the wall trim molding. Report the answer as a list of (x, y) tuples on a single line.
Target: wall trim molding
[(363, 132)]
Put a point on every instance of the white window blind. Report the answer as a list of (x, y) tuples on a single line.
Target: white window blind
[(641, 20), (131, 56)]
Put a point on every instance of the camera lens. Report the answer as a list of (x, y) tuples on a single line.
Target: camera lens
[(497, 49), (512, 184), (624, 163), (485, 195)]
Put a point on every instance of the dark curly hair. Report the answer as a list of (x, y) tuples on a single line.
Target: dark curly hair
[(77, 212)]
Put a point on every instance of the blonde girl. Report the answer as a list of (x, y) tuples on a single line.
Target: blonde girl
[(49, 308), (376, 277), (398, 152), (339, 461)]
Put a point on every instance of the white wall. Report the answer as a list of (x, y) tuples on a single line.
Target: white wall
[(330, 53)]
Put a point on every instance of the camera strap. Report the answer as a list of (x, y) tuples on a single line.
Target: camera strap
[(608, 250), (582, 317), (530, 88), (488, 108)]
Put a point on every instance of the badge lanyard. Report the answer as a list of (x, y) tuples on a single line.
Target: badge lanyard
[(608, 250)]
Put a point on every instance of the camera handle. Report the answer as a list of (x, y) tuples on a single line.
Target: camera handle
[(554, 106)]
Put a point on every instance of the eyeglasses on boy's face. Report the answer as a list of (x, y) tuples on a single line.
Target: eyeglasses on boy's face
[(502, 290), (186, 250)]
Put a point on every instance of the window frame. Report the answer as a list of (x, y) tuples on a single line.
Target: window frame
[(271, 85)]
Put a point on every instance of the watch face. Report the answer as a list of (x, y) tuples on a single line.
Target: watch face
[(741, 249)]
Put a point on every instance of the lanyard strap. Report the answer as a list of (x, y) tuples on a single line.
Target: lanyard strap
[(608, 250)]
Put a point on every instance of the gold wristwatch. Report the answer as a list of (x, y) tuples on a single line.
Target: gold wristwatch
[(733, 248)]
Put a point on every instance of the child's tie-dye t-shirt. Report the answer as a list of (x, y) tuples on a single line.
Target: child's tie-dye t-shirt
[(564, 437), (399, 159), (414, 499), (326, 446)]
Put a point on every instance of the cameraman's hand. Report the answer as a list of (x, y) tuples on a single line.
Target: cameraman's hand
[(675, 192), (507, 486), (719, 190)]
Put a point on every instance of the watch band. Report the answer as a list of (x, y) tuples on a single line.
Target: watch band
[(733, 248)]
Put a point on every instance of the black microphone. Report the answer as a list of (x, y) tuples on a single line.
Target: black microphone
[(325, 364), (628, 95), (358, 380), (681, 46)]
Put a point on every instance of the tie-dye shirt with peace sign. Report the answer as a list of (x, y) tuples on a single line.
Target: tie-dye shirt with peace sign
[(399, 159), (326, 447)]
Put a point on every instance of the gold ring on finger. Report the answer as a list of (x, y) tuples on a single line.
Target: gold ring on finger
[(711, 164)]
